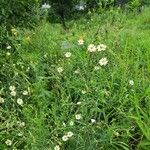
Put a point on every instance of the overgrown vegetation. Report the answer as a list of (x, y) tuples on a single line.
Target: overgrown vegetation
[(87, 88)]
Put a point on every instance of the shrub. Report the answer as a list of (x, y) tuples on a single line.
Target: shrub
[(19, 13), (16, 13)]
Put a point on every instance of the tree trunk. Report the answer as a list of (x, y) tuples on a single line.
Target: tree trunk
[(62, 18)]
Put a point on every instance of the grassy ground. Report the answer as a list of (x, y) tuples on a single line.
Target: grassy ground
[(44, 94)]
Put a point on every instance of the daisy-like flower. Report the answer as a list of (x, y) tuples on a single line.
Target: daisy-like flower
[(101, 47), (71, 123), (103, 61), (80, 42), (14, 31), (78, 103), (68, 54), (60, 69), (13, 93), (69, 134), (45, 55), (21, 124), (20, 101), (46, 6), (93, 120), (1, 100), (8, 142), (77, 71), (131, 82), (78, 116), (65, 138), (8, 47), (8, 54), (12, 88), (20, 134), (117, 134), (96, 68), (64, 124), (27, 70), (91, 48), (83, 92), (25, 93), (57, 147)]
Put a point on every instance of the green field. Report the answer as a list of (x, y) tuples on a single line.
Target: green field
[(85, 88)]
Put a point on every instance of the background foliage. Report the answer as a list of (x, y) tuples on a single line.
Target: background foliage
[(19, 12)]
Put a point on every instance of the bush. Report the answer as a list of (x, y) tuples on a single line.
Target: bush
[(16, 13), (19, 13)]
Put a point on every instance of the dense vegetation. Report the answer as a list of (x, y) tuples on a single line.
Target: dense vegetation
[(83, 87)]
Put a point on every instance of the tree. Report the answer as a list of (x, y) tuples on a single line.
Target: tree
[(62, 8)]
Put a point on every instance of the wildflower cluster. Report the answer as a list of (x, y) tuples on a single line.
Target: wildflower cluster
[(93, 48), (12, 90), (67, 136)]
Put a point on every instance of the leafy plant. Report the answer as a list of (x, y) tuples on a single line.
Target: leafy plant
[(19, 13)]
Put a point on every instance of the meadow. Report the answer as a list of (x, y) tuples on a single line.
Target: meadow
[(85, 88)]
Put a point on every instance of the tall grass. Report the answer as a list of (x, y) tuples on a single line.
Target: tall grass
[(115, 96)]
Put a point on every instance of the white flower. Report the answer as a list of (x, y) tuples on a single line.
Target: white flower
[(103, 61), (8, 47), (80, 42), (57, 147), (21, 124), (96, 68), (78, 103), (101, 47), (93, 120), (1, 100), (131, 82), (77, 71), (46, 6), (71, 123), (20, 101), (69, 134), (83, 92), (92, 48), (80, 6), (65, 138), (8, 142), (12, 88), (68, 54), (13, 93), (45, 55), (78, 116), (117, 134), (64, 124), (8, 54), (60, 69), (28, 69), (25, 93), (20, 134)]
